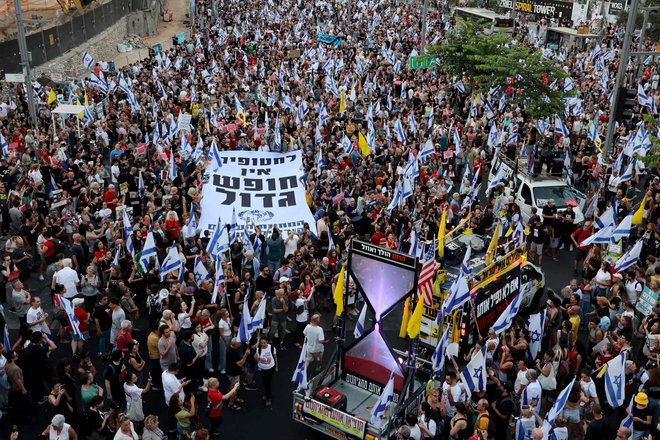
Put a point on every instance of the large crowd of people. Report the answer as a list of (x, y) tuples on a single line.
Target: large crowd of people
[(254, 76)]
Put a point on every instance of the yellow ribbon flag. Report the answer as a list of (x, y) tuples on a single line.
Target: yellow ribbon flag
[(339, 291), (51, 97), (602, 371), (442, 230), (404, 318), (492, 247), (415, 323), (638, 216), (364, 147), (82, 113), (86, 100), (342, 102)]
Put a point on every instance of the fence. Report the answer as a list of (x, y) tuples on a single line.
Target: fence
[(50, 43)]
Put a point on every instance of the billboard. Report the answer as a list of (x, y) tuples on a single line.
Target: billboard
[(540, 8)]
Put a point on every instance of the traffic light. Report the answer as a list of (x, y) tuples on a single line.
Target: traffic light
[(625, 105)]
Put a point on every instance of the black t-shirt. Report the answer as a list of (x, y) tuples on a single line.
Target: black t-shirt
[(37, 355), (102, 313), (112, 374), (186, 354), (536, 233), (233, 355), (550, 211), (642, 414), (598, 429)]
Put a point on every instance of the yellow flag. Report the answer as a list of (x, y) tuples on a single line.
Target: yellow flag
[(415, 323), (442, 229), (80, 115), (404, 319), (86, 100), (339, 291), (638, 216), (364, 147), (602, 371), (342, 102), (477, 99), (51, 97), (492, 247), (509, 232)]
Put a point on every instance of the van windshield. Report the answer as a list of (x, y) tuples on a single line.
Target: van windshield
[(560, 194)]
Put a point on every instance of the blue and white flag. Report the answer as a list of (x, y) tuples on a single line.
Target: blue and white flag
[(560, 127), (475, 372), (558, 407), (505, 320), (460, 86), (466, 269), (148, 250), (244, 327), (439, 354), (630, 258), (459, 294), (615, 380), (605, 219), (171, 170), (115, 262), (603, 236), (492, 136), (300, 373), (88, 60), (427, 151), (67, 306), (171, 262), (398, 130), (642, 98), (387, 396), (219, 280), (359, 325), (457, 141), (233, 227), (412, 123), (5, 340), (128, 234), (627, 422), (259, 317), (219, 242), (623, 230), (346, 144), (535, 325), (201, 274)]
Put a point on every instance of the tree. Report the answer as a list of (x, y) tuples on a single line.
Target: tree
[(497, 60), (652, 158)]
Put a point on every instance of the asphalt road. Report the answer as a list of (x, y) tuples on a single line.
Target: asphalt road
[(254, 420)]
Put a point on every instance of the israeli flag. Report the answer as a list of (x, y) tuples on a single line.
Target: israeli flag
[(505, 320), (359, 325), (412, 123), (171, 262), (238, 107), (67, 306), (244, 327), (128, 233), (115, 262), (492, 136), (439, 354), (429, 118), (593, 130), (628, 173), (627, 422), (558, 407), (475, 373), (489, 112), (604, 236), (630, 258), (615, 380), (459, 294), (427, 151), (623, 230), (172, 172), (219, 280), (234, 226), (457, 140), (215, 239), (398, 130), (99, 82), (466, 269), (215, 152), (346, 144), (259, 317), (201, 274), (387, 396), (460, 86), (560, 127), (535, 325), (148, 250), (88, 60), (605, 219), (642, 98), (300, 373), (278, 139)]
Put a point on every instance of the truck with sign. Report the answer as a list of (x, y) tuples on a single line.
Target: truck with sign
[(338, 401), (493, 286)]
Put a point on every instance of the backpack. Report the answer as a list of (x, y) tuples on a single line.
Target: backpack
[(122, 373), (491, 425)]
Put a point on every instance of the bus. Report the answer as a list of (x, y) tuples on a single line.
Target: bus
[(494, 21)]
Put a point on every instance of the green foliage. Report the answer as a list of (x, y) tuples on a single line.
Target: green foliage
[(490, 60), (653, 157)]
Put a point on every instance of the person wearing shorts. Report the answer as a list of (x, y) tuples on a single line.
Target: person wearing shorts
[(578, 237), (536, 239)]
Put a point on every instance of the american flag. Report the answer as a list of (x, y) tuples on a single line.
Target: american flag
[(425, 281)]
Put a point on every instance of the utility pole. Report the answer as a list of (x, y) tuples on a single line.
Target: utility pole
[(623, 63), (25, 63), (422, 49)]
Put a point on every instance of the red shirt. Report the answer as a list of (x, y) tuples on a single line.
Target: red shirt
[(82, 317), (581, 235), (215, 398), (123, 339)]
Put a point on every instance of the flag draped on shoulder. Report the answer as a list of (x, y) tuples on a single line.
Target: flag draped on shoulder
[(68, 308)]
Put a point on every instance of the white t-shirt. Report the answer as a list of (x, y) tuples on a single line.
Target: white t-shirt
[(132, 393), (429, 424), (301, 317), (603, 277), (34, 315), (184, 320), (521, 380), (198, 340), (588, 389), (68, 278), (291, 245), (415, 432), (532, 395), (225, 328), (170, 386), (314, 334), (266, 359), (458, 393), (633, 288)]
